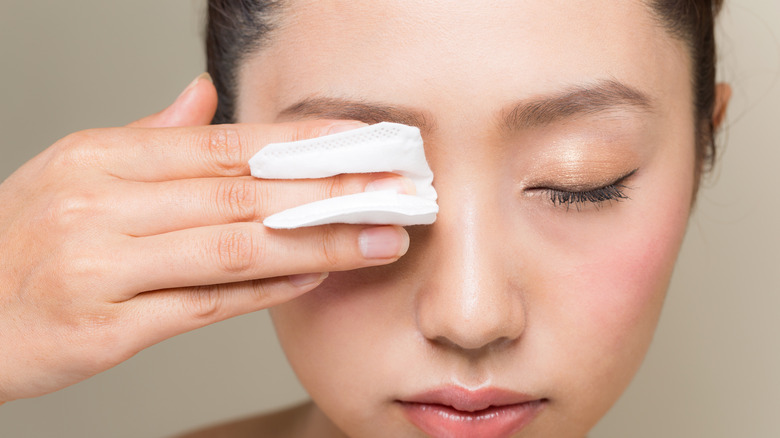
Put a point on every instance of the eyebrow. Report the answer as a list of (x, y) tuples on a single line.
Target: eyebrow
[(609, 95), (539, 111), (336, 108)]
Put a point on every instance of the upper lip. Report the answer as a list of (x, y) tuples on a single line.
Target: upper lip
[(466, 400)]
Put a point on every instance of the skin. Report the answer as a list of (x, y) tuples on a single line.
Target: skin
[(506, 289), (115, 239)]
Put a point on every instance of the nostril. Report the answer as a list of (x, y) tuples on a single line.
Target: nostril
[(473, 347)]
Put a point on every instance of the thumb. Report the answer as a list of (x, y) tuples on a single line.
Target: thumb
[(195, 106)]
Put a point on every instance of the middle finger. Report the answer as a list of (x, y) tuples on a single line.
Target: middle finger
[(151, 208)]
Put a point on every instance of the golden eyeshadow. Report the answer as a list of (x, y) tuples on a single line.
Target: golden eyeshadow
[(580, 167), (582, 175), (581, 156)]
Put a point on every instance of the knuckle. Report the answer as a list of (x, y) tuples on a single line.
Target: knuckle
[(294, 131), (310, 129), (329, 247), (238, 200), (79, 138), (260, 292), (76, 149), (98, 323), (68, 210), (74, 274), (78, 271), (204, 302), (237, 251), (96, 340), (224, 148), (78, 266), (334, 186)]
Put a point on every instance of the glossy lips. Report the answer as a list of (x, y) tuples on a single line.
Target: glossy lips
[(455, 412)]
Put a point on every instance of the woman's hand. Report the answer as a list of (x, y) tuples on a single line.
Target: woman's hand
[(112, 240)]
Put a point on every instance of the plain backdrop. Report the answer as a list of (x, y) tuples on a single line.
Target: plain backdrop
[(712, 371)]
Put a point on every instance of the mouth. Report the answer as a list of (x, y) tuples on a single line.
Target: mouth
[(455, 412)]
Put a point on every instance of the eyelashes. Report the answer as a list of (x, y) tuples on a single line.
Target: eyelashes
[(597, 196), (614, 191)]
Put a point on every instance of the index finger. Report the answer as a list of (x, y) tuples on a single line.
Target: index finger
[(163, 154)]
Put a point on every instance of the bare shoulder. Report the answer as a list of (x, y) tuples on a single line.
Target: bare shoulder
[(285, 423)]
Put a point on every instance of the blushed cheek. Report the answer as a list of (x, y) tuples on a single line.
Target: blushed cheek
[(642, 267), (620, 293), (626, 288), (599, 290)]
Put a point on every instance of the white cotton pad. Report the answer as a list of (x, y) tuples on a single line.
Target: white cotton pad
[(381, 207), (383, 147)]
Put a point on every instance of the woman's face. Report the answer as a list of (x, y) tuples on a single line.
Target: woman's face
[(520, 294)]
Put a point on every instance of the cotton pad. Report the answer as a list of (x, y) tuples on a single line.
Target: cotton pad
[(383, 147)]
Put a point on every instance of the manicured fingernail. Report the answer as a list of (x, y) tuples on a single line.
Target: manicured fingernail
[(344, 126), (206, 77), (398, 184), (383, 242), (300, 280), (202, 76)]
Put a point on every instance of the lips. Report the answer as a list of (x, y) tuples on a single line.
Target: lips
[(455, 412)]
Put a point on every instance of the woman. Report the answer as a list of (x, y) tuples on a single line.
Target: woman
[(567, 142)]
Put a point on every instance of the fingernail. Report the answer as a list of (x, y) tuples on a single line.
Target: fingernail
[(399, 184), (343, 127), (300, 280), (202, 76), (383, 242)]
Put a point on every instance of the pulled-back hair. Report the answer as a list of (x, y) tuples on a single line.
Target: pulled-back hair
[(693, 22), (237, 28), (234, 30)]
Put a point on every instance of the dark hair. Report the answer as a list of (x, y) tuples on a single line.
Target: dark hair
[(693, 22), (237, 28)]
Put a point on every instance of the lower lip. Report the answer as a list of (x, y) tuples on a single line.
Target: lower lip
[(442, 421)]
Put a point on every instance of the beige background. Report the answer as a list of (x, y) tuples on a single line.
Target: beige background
[(713, 370)]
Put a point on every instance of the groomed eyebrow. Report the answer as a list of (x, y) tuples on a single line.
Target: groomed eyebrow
[(608, 95), (368, 112)]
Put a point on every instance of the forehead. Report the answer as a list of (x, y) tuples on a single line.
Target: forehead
[(487, 50)]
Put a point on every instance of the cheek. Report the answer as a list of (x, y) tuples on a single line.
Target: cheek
[(593, 284), (327, 321), (340, 337), (636, 264), (620, 287), (599, 309)]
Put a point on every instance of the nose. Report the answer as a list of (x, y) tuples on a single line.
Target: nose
[(474, 297)]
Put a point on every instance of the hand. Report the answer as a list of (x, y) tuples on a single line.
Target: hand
[(115, 239)]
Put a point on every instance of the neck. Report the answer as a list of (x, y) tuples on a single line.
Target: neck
[(315, 424)]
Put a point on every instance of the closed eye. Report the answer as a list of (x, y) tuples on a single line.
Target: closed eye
[(615, 191)]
